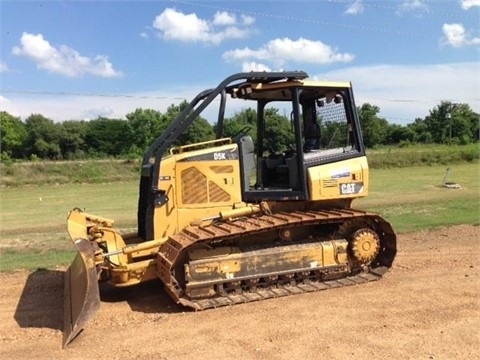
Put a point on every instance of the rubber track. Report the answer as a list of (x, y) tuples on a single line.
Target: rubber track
[(216, 232)]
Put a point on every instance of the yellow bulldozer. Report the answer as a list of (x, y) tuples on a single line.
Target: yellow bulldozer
[(230, 221)]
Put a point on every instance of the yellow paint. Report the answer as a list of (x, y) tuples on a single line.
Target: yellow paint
[(165, 217), (207, 266), (324, 181)]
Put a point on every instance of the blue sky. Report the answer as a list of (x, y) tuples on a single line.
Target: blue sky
[(84, 59)]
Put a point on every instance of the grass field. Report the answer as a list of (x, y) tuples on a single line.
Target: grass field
[(412, 198), (33, 219), (36, 173)]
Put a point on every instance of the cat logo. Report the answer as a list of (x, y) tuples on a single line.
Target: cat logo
[(351, 188)]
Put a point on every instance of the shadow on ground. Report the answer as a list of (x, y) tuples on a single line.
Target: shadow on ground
[(41, 302), (148, 297)]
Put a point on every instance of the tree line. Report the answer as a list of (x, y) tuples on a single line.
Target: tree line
[(38, 137)]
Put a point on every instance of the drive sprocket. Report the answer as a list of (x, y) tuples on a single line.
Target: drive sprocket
[(365, 245)]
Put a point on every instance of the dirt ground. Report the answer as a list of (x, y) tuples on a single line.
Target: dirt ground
[(426, 307)]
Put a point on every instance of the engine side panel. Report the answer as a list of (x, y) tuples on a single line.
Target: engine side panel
[(199, 184), (339, 180)]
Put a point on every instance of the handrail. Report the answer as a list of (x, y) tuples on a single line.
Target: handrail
[(192, 147)]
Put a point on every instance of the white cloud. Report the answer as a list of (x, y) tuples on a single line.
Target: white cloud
[(5, 104), (467, 4), (248, 20), (254, 66), (223, 18), (400, 93), (355, 8), (174, 25), (178, 26), (62, 60), (282, 51), (456, 36), (3, 67), (103, 111), (415, 6), (143, 35)]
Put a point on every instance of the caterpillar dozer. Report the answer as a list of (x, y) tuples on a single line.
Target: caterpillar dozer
[(235, 220)]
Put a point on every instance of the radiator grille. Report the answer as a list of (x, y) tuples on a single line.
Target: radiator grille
[(217, 194), (222, 169), (194, 186)]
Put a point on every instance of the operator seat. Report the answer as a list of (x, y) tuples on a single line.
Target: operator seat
[(312, 138), (247, 159)]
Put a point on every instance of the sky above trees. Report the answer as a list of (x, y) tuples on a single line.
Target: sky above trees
[(81, 60)]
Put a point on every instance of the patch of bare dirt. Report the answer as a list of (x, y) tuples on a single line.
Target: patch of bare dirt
[(426, 307)]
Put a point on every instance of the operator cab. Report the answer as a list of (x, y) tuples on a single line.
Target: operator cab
[(323, 129)]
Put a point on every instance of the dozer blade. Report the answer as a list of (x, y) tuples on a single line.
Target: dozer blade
[(81, 293)]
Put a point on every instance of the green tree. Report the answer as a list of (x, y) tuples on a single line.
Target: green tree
[(397, 134), (465, 124), (145, 126), (452, 123), (12, 135), (109, 137), (173, 111), (420, 130), (73, 139), (474, 119), (334, 134), (43, 137), (200, 130), (374, 128), (240, 120), (439, 123), (279, 135), (278, 132)]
